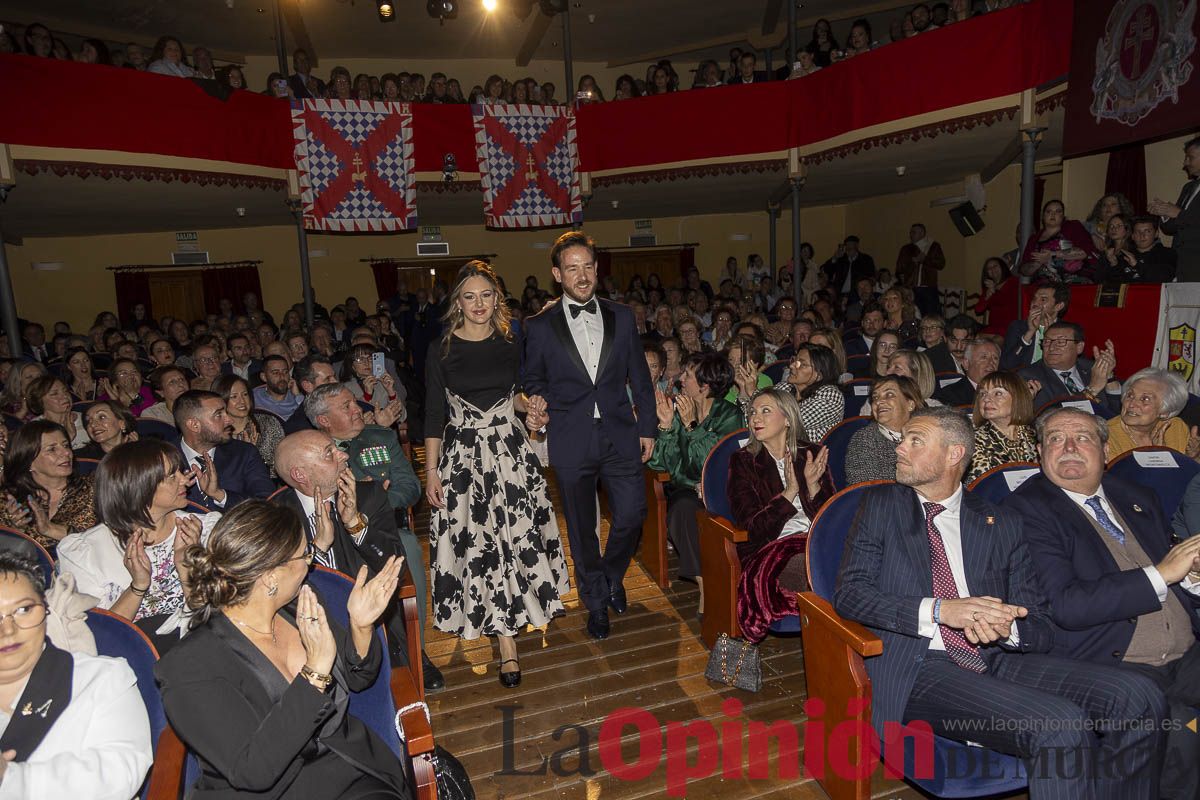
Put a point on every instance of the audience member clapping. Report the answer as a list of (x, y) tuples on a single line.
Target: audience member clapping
[(50, 399), (108, 424), (43, 497)]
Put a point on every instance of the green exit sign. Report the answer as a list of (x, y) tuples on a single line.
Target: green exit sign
[(431, 233), (643, 224), (186, 236)]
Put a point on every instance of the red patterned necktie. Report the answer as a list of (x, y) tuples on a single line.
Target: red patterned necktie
[(961, 651)]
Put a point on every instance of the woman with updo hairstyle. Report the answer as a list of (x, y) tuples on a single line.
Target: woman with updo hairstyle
[(259, 689), (132, 560)]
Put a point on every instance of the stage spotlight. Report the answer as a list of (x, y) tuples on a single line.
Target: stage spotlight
[(489, 5), (442, 10), (387, 12)]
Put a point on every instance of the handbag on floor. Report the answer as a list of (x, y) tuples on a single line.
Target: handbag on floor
[(451, 777), (735, 663)]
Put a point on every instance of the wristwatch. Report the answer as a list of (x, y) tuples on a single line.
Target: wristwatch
[(691, 426), (317, 679), (357, 528)]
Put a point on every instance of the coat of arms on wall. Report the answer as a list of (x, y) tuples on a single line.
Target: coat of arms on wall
[(1143, 58), (1182, 358)]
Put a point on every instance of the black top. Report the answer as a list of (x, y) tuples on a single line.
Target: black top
[(479, 372)]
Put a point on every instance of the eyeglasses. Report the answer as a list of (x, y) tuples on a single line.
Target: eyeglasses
[(306, 556), (1058, 342), (26, 617)]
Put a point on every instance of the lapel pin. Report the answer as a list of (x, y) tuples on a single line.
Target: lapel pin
[(990, 520), (41, 710), (1137, 508)]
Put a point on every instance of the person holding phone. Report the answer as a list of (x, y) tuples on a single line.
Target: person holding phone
[(366, 375)]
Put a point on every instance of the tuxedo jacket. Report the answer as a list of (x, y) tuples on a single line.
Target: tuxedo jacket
[(886, 572), (553, 368), (1185, 233), (1053, 386), (240, 472), (959, 393), (1093, 603)]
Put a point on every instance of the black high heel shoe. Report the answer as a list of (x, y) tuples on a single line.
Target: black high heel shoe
[(510, 680)]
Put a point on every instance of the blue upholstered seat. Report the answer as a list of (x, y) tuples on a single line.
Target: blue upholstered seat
[(999, 482), (1166, 482), (837, 442)]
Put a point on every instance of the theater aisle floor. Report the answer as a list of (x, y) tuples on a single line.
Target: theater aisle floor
[(653, 660)]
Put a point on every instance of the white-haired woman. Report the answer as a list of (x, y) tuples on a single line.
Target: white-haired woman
[(1150, 404)]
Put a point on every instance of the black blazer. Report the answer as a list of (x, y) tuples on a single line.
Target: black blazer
[(886, 572), (240, 472), (255, 733), (836, 269), (959, 393), (1016, 353), (1093, 603), (1053, 386), (553, 368), (941, 358), (1185, 233)]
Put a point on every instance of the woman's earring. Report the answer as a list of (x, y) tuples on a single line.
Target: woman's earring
[(272, 590)]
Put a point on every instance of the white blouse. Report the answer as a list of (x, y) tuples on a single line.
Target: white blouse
[(799, 522)]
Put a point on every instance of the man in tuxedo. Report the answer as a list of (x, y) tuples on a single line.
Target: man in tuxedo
[(1024, 337), (1118, 592), (860, 342), (945, 579), (582, 361), (362, 527), (847, 266), (1063, 371), (240, 362), (224, 471), (981, 359), (300, 78), (420, 326), (1181, 220)]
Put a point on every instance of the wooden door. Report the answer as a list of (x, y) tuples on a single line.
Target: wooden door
[(625, 265), (177, 294)]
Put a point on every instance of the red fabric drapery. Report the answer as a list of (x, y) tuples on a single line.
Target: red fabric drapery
[(229, 283), (1127, 175), (60, 101), (133, 287), (386, 279)]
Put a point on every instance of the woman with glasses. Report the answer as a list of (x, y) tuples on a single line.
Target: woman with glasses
[(124, 385), (82, 730), (132, 560), (361, 380), (260, 687), (882, 350), (812, 377)]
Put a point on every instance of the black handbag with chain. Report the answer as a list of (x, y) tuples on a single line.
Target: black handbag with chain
[(453, 782), (735, 663)]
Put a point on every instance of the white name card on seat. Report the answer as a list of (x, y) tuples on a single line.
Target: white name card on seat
[(1078, 405), (1018, 476), (1155, 459), (862, 390), (944, 382)]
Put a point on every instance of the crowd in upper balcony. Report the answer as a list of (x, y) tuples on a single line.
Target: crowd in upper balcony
[(169, 56)]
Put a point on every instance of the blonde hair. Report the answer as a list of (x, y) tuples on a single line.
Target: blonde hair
[(454, 317), (790, 409)]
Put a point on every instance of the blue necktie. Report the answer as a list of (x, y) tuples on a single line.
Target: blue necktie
[(1106, 522)]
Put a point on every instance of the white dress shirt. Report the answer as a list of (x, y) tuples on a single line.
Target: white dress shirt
[(948, 525), (325, 558), (99, 748), (192, 458), (1152, 573), (587, 330)]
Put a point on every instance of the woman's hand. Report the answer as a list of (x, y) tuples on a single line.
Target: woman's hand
[(137, 563), (814, 470), (16, 512), (388, 384), (686, 407), (1193, 443), (369, 384), (663, 409), (433, 490), (746, 378), (791, 487), (42, 523), (369, 598), (1042, 257), (187, 533), (319, 647)]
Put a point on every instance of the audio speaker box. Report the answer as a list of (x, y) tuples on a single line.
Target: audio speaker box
[(966, 219)]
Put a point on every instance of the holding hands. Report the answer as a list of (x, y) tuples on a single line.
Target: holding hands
[(982, 620)]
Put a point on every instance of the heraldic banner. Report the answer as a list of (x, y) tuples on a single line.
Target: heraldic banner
[(1178, 319), (355, 161), (528, 165), (1134, 66)]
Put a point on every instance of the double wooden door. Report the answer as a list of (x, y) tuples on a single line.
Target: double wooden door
[(178, 294)]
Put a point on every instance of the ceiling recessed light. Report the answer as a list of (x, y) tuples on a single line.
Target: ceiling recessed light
[(489, 5)]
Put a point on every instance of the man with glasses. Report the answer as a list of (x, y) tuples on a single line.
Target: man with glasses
[(1063, 371)]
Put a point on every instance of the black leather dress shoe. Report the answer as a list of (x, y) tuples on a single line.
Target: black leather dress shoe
[(512, 679), (432, 675), (616, 599), (597, 624)]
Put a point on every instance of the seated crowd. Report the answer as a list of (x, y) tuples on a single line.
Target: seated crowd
[(169, 57)]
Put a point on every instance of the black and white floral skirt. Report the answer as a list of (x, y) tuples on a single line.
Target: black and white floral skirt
[(497, 562)]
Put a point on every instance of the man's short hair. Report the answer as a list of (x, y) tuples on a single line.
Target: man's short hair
[(871, 306), (568, 240), (317, 402), (189, 405), (1042, 421), (1075, 328), (955, 427), (962, 322), (1145, 219), (305, 369), (1190, 143), (266, 362), (1062, 294), (974, 345), (849, 239)]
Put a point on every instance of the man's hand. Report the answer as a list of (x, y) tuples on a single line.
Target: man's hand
[(347, 498), (1035, 321), (322, 524), (1163, 209), (1179, 561), (1102, 369), (207, 479), (647, 448), (982, 617)]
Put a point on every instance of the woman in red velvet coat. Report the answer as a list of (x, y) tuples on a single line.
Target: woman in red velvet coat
[(776, 485)]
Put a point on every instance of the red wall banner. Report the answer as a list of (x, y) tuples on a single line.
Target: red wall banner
[(1135, 73)]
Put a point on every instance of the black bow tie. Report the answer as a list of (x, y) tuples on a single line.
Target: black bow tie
[(589, 307)]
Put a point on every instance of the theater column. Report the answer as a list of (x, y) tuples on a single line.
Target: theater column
[(1031, 137), (8, 303), (772, 221), (797, 290)]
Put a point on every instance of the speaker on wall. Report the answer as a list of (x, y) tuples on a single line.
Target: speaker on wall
[(966, 219)]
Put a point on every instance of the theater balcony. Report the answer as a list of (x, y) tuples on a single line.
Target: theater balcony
[(102, 150)]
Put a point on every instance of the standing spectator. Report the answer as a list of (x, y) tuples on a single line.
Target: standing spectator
[(1105, 209), (917, 267), (168, 58), (997, 296), (1181, 220), (1062, 250), (847, 266)]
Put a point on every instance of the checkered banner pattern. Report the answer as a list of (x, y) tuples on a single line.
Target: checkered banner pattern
[(355, 160), (528, 165)]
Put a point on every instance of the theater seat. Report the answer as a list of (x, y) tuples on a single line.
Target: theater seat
[(11, 539), (837, 442), (719, 564), (1169, 483), (775, 370), (154, 429), (858, 394), (86, 466), (1000, 481), (1082, 402), (834, 670), (652, 551)]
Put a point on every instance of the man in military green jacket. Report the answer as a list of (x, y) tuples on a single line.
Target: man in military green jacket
[(375, 454)]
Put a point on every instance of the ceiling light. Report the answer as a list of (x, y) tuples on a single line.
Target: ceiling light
[(489, 5), (387, 12)]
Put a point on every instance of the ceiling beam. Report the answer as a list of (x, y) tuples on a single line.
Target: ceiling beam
[(1006, 157), (533, 39), (771, 15), (295, 23)]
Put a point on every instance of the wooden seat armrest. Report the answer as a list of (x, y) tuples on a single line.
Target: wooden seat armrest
[(166, 773), (660, 477), (417, 732), (406, 587), (730, 531), (816, 610)]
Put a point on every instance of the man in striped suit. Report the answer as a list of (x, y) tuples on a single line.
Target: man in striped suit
[(945, 580)]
